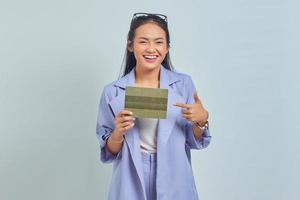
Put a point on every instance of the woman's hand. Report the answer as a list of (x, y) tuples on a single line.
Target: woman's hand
[(194, 112), (123, 122)]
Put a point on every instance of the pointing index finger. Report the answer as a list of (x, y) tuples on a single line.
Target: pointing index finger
[(182, 105)]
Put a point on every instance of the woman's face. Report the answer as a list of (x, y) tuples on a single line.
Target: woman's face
[(149, 46)]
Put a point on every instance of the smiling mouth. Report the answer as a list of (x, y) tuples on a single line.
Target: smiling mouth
[(150, 57)]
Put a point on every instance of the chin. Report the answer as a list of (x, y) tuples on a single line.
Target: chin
[(150, 66)]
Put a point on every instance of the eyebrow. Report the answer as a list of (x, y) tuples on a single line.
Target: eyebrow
[(160, 38)]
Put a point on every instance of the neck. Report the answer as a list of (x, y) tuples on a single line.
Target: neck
[(147, 78)]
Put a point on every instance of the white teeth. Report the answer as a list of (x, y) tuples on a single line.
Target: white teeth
[(151, 57)]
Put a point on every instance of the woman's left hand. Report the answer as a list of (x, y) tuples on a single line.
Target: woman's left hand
[(194, 112)]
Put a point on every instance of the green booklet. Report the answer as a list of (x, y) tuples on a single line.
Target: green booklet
[(147, 102)]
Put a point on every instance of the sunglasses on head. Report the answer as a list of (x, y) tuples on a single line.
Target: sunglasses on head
[(137, 15)]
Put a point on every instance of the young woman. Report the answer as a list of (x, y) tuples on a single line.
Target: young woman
[(151, 157)]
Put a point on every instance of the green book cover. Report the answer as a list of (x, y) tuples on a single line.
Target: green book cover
[(147, 102)]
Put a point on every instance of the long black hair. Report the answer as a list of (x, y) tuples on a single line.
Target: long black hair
[(129, 60)]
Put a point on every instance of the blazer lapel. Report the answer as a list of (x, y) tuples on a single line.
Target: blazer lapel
[(132, 138), (165, 126)]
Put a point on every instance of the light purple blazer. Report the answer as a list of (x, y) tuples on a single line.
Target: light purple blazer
[(175, 139)]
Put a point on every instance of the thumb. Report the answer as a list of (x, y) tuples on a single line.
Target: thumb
[(196, 98)]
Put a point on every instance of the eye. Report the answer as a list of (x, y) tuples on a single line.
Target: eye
[(142, 42), (159, 42)]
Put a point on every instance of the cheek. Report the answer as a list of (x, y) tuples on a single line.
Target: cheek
[(138, 50), (164, 53), (163, 50)]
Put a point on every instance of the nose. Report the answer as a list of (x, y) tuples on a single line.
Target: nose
[(151, 48)]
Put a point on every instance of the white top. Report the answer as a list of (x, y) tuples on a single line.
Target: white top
[(148, 129)]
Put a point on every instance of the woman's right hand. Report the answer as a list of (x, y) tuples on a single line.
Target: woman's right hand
[(123, 122)]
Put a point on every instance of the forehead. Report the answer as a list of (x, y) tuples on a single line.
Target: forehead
[(150, 30)]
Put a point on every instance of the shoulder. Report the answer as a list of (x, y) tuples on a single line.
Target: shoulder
[(110, 86), (182, 79), (183, 76), (110, 90), (182, 83)]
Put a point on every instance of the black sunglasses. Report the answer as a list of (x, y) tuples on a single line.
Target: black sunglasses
[(137, 15)]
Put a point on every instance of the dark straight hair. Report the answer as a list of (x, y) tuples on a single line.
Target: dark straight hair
[(129, 60)]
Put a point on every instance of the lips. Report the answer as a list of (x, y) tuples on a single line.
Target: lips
[(150, 58)]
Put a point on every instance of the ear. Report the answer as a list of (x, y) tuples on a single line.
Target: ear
[(130, 46), (168, 48)]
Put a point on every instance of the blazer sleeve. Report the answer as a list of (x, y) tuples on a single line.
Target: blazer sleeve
[(191, 141), (104, 128)]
